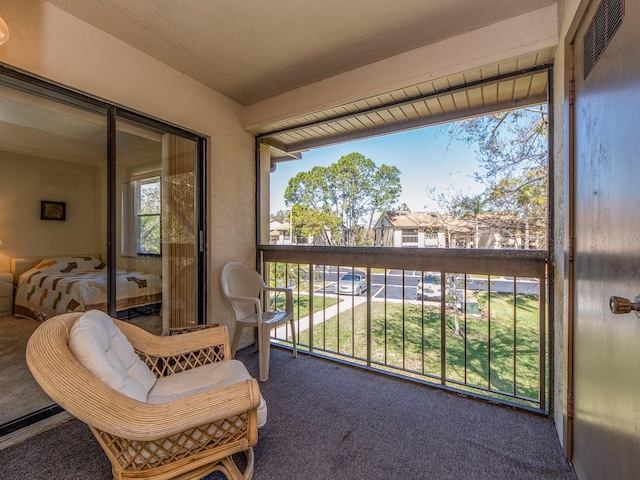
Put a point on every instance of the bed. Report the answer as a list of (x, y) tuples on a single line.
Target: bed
[(49, 286)]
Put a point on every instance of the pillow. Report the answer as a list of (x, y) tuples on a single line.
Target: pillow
[(103, 349), (68, 264)]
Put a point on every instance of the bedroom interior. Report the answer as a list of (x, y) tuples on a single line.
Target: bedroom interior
[(56, 152)]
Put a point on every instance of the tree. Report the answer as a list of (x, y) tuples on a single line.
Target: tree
[(281, 216), (452, 298), (308, 222), (513, 153), (470, 206), (454, 203), (349, 194), (527, 198)]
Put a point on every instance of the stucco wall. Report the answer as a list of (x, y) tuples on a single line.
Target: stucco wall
[(50, 43)]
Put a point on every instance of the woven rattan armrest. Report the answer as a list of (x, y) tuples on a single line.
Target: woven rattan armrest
[(167, 346)]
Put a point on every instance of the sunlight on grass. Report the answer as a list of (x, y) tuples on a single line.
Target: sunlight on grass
[(501, 355)]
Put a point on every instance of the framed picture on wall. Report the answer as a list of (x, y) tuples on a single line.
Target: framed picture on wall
[(53, 210)]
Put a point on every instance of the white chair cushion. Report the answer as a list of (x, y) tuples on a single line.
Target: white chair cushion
[(104, 350), (196, 380)]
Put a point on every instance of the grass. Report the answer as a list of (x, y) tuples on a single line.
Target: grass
[(301, 304), (501, 355)]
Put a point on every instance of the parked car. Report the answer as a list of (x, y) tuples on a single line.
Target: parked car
[(352, 284), (429, 287)]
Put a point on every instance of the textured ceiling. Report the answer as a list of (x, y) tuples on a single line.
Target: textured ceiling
[(251, 50)]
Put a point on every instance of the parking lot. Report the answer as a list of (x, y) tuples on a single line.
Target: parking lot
[(395, 286)]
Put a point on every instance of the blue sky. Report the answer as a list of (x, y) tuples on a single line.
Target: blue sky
[(426, 158)]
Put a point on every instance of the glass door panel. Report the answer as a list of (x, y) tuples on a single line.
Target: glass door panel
[(180, 239), (156, 228), (53, 215)]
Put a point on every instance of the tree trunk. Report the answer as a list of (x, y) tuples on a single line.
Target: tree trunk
[(456, 320)]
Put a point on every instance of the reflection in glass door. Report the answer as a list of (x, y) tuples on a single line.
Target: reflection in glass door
[(157, 227), (51, 153)]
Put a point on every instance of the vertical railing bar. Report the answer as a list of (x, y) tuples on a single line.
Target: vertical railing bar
[(464, 299), (338, 311), (353, 310), (287, 325), (287, 270), (443, 329), (515, 336), (543, 337), (311, 315), (275, 282), (489, 327), (324, 308), (369, 300), (265, 301), (404, 325), (265, 271), (386, 318), (422, 338), (489, 345), (270, 269)]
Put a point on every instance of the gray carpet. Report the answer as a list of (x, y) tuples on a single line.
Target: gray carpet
[(21, 394), (327, 420)]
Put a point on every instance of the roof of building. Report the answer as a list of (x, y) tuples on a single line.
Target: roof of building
[(404, 220)]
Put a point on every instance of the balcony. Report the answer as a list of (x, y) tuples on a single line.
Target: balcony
[(485, 334), (330, 420)]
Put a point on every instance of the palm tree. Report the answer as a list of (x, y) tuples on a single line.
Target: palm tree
[(471, 206)]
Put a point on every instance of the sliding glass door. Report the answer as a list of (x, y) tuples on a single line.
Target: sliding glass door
[(100, 208)]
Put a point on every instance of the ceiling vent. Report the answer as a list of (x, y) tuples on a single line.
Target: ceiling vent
[(604, 24)]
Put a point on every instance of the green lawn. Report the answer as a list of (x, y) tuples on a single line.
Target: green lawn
[(301, 304), (408, 336)]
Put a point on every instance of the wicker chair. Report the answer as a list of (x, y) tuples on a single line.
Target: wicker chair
[(187, 438)]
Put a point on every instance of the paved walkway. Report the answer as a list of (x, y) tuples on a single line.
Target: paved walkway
[(345, 302)]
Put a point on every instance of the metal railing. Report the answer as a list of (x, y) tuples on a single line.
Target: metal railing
[(477, 322)]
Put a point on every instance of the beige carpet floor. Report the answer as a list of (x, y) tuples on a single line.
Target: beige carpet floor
[(20, 395), (19, 392)]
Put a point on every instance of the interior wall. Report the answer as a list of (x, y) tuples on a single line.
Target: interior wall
[(50, 43), (24, 182)]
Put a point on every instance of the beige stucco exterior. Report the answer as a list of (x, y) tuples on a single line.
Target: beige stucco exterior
[(52, 44)]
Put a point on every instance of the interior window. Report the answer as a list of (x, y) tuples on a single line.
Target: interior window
[(148, 226)]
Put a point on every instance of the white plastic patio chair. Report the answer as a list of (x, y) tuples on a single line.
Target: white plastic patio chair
[(245, 289)]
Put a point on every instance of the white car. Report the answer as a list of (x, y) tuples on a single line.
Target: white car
[(352, 284), (429, 287)]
